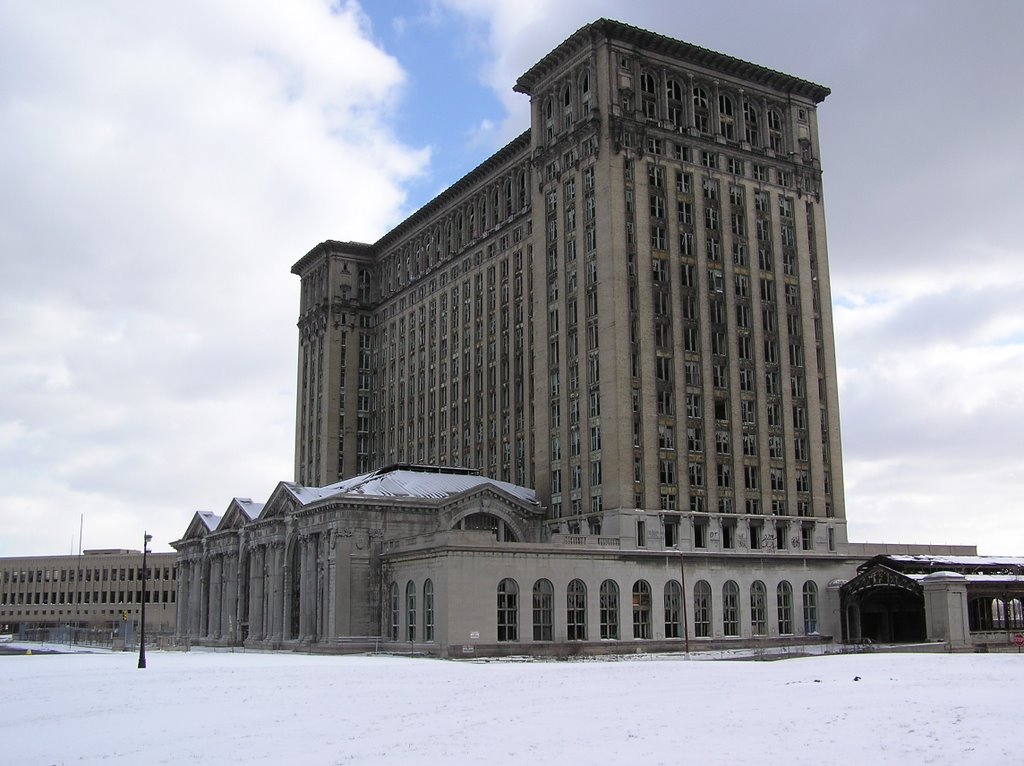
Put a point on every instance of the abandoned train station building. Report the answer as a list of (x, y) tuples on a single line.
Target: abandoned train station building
[(585, 400)]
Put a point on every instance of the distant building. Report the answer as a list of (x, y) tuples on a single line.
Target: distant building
[(99, 589), (628, 309)]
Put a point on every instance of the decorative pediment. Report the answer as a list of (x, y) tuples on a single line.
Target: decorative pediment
[(240, 512), (488, 501), (202, 524), (282, 501), (877, 577), (485, 494)]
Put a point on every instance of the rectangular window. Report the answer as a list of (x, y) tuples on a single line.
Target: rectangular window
[(700, 533), (671, 533)]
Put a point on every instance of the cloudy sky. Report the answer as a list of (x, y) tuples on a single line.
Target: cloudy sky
[(163, 164)]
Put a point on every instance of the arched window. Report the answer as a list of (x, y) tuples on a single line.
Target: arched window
[(674, 101), (508, 199), (410, 611), (585, 94), (702, 609), (521, 182), (726, 117), (609, 595), (673, 609), (731, 609), (785, 604), (775, 142), (508, 610), (701, 117), (543, 598), (576, 611), (751, 130), (980, 614), (428, 611), (758, 608), (641, 609), (396, 615), (567, 117), (549, 119), (810, 607), (1015, 613), (649, 95)]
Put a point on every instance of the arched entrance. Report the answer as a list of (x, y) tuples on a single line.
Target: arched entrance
[(892, 615), (883, 605)]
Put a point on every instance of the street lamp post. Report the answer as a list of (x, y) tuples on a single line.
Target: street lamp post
[(142, 629)]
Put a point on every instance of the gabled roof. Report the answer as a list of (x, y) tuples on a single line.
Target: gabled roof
[(210, 520), (240, 511), (202, 524), (286, 496)]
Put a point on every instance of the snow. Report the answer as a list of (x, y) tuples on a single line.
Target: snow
[(963, 561), (423, 483), (211, 520), (222, 708)]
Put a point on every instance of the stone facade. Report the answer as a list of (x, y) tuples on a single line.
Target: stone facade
[(626, 309)]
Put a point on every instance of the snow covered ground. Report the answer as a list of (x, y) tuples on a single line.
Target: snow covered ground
[(213, 708)]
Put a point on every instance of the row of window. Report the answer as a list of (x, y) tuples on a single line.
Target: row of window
[(413, 618), (645, 614), (477, 217), (88, 597), (97, 574)]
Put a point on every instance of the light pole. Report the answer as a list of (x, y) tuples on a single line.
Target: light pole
[(142, 629)]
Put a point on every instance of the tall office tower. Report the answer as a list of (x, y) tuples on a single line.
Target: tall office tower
[(627, 307)]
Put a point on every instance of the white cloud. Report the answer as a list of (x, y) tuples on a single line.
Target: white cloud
[(164, 167)]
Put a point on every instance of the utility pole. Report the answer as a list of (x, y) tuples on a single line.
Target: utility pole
[(146, 537)]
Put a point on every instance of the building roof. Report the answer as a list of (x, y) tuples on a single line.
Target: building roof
[(965, 565), (677, 49), (251, 509), (946, 562), (516, 148), (209, 519), (414, 481)]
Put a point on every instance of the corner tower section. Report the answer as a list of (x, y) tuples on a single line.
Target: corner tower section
[(685, 368), (332, 419)]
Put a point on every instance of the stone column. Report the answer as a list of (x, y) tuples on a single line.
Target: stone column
[(256, 579), (945, 609), (277, 581), (229, 624), (181, 600), (216, 567), (287, 590), (306, 604), (202, 597), (330, 583)]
